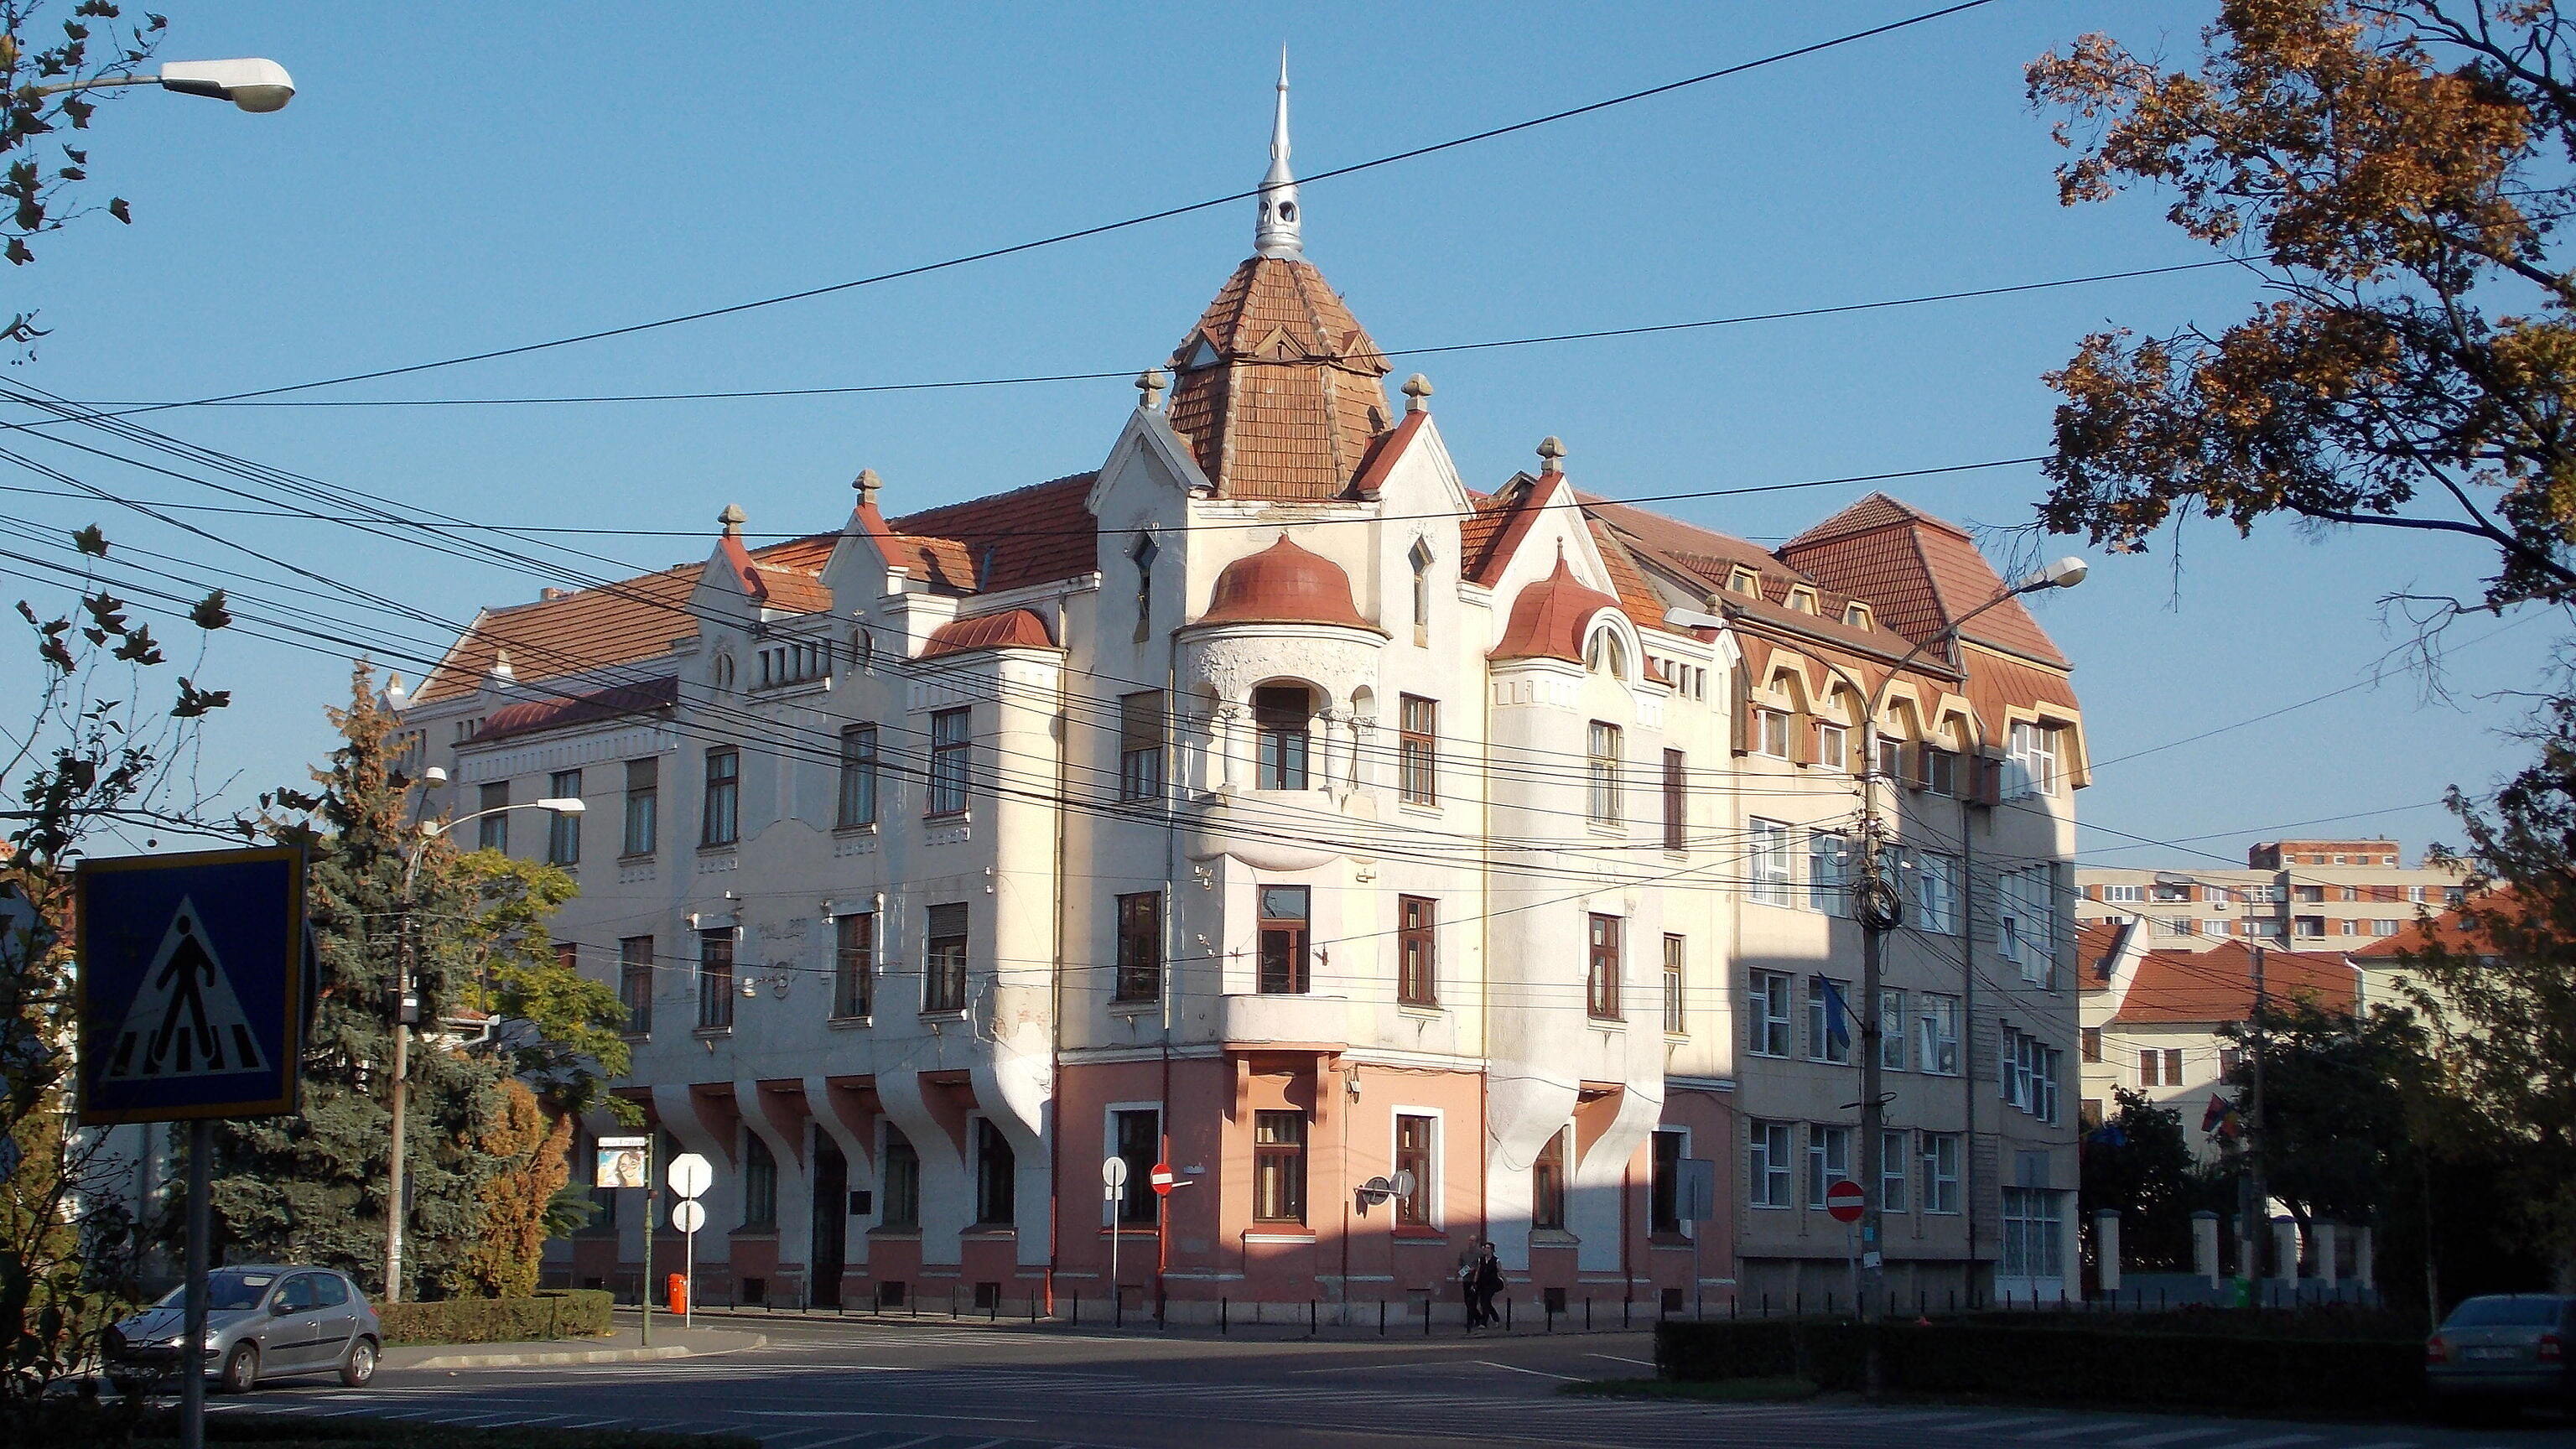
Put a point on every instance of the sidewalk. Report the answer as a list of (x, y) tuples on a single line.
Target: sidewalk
[(670, 1342), (1094, 1318)]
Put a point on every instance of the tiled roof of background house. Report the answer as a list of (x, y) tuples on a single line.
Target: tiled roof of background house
[(2447, 928), (1033, 535), (2217, 985), (1919, 572), (531, 716)]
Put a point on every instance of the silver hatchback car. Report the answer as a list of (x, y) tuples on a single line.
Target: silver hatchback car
[(2504, 1347), (261, 1323)]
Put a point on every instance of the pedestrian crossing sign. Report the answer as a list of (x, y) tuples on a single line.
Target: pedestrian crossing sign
[(192, 972)]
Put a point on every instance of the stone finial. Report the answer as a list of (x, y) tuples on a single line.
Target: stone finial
[(867, 483), (1417, 394), (1150, 384), (733, 518), (1551, 455)]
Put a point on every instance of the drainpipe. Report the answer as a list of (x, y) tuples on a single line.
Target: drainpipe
[(1055, 1065)]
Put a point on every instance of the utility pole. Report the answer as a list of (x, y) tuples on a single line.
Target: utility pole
[(404, 1009)]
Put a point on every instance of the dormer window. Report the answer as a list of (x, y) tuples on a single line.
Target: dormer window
[(1802, 599), (1606, 655), (1745, 581), (1856, 614), (793, 662), (1203, 355)]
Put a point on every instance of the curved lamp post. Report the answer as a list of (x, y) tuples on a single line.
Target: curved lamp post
[(254, 85), (405, 1009)]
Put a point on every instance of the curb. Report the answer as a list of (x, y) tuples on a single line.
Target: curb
[(732, 1343)]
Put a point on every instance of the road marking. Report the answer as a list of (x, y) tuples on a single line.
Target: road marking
[(2388, 1444), (2174, 1436), (2080, 1426), (1614, 1358), (594, 1423), (2276, 1441), (1980, 1426), (1514, 1368), (977, 1415)]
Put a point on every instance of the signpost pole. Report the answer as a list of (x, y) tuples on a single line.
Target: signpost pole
[(644, 1300), (192, 1337), (689, 1280)]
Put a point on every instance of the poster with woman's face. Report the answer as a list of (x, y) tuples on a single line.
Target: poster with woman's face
[(619, 1167)]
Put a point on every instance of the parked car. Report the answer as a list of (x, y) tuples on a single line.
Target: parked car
[(262, 1322), (2503, 1348)]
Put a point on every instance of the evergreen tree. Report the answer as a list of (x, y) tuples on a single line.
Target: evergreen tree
[(312, 1188)]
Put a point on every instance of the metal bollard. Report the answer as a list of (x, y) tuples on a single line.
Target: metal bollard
[(1312, 1320), (1426, 1315), (1507, 1313), (1381, 1318), (1224, 1309), (1587, 1313)]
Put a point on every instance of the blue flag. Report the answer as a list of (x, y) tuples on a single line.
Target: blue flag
[(1837, 1014)]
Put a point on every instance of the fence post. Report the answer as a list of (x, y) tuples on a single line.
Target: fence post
[(1224, 1314), (1312, 1320)]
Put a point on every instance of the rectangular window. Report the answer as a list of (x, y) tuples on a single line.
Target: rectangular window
[(1413, 1154), (902, 1186), (858, 804), (759, 1184), (2026, 922), (1768, 1163), (1891, 757), (715, 979), (1829, 1159), (1281, 715), (2123, 894), (997, 1176), (1891, 1030), (1937, 1044), (1602, 799), (1418, 751), (720, 819), (635, 983), (1140, 745), (1286, 913), (1279, 1167), (1140, 947), (1769, 859), (1893, 1169), (1829, 874), (1417, 975), (2052, 1063), (1601, 982), (2386, 927), (563, 829), (1766, 1016), (1676, 801), (1136, 1136), (2032, 759), (2092, 1040), (2034, 1233), (1940, 1172), (854, 951), (2228, 1059), (943, 965), (1770, 730), (1664, 1188), (2173, 1066), (1931, 885), (1829, 1024), (1940, 770), (1833, 747), (492, 832), (2151, 1068), (951, 761), (1547, 1184), (1674, 1022), (643, 801)]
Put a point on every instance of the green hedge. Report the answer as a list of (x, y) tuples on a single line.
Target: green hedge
[(2062, 1360), (573, 1313)]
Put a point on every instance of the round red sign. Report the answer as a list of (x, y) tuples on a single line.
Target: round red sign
[(1844, 1200), (1162, 1178)]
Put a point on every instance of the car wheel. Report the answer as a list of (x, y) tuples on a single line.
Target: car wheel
[(360, 1365), (241, 1368)]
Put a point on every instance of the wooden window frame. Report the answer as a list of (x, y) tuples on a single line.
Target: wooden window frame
[(1279, 1167), (1417, 929), (720, 805), (1417, 750), (1286, 940), (1284, 752), (854, 949), (1140, 947), (856, 805), (952, 763), (946, 938), (1601, 969)]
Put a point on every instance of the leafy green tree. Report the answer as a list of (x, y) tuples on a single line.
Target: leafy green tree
[(2138, 1163), (312, 1188), (563, 1032), (527, 1148), (2343, 1100)]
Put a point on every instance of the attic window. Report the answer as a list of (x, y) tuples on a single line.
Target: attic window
[(1203, 355), (1607, 655), (1856, 615), (1802, 599), (1745, 581), (1420, 559)]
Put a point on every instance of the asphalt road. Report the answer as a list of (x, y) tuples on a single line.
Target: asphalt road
[(855, 1384)]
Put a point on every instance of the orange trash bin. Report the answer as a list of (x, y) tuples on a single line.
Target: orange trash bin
[(676, 1291)]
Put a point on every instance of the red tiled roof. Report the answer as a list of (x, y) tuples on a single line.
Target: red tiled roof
[(1637, 597), (1491, 542), (1998, 685), (1033, 535), (2447, 929), (2217, 985), (581, 631), (1383, 454), (1278, 393), (1010, 629), (1283, 584), (1918, 572), (530, 716), (2094, 943), (1550, 617)]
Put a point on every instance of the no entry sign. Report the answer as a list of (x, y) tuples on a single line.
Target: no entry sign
[(1163, 1179), (1844, 1200)]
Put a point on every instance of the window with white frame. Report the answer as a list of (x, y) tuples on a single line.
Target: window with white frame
[(1771, 870), (1941, 1172), (1931, 883), (1768, 733), (1766, 1016), (1769, 1160), (2032, 761), (1603, 804), (2034, 1233), (1829, 1023), (1829, 1159), (1833, 747), (1891, 1029), (2123, 895), (1937, 1036), (2026, 921), (1893, 1168), (2385, 927), (1829, 874)]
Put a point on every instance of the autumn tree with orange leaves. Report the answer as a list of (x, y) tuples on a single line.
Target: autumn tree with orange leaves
[(2397, 174)]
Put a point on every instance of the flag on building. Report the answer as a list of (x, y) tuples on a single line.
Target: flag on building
[(1837, 1015), (2221, 1120)]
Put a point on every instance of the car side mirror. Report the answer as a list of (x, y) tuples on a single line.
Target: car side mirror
[(281, 1308)]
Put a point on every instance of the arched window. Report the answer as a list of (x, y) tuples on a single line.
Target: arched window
[(723, 673), (1282, 714), (1420, 558), (1143, 554), (1607, 655), (863, 651)]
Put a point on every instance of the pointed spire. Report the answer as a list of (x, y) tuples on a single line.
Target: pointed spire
[(1278, 233)]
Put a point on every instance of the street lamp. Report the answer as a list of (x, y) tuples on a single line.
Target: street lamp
[(254, 85), (405, 1009), (1881, 909)]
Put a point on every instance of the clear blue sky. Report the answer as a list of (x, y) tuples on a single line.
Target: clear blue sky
[(455, 178)]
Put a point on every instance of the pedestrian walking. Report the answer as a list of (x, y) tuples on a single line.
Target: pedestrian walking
[(1489, 1281), (1467, 1265)]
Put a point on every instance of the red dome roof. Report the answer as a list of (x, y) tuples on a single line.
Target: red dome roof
[(1284, 584), (1550, 617)]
